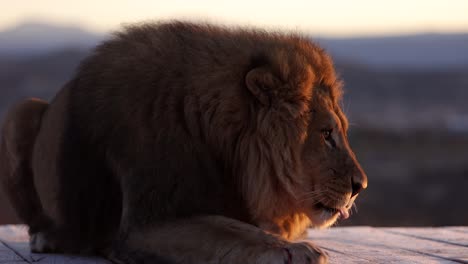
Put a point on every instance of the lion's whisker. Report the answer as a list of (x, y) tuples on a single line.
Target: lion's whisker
[(315, 192), (311, 195)]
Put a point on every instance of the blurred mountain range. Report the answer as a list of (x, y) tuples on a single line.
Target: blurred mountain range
[(433, 51), (398, 82), (421, 51), (32, 38)]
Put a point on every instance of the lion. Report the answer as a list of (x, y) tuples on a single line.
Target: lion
[(182, 142)]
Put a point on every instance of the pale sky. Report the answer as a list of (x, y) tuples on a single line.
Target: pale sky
[(324, 17)]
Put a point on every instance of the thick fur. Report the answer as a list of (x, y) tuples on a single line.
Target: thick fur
[(185, 143)]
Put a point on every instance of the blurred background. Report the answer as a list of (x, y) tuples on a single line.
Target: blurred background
[(404, 65)]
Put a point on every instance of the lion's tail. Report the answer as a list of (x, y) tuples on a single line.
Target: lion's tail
[(20, 129)]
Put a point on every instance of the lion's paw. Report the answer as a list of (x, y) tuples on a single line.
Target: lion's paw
[(305, 253), (40, 244), (295, 253)]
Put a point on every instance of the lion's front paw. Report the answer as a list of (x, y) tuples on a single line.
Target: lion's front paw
[(39, 243), (305, 253), (295, 253)]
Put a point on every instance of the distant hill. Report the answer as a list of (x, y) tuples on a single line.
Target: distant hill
[(33, 37), (425, 51)]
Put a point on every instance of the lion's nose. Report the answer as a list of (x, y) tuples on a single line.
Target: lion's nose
[(358, 182)]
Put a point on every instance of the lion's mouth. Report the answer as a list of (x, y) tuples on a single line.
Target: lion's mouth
[(343, 211)]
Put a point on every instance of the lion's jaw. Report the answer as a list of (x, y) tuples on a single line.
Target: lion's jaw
[(325, 215), (331, 193)]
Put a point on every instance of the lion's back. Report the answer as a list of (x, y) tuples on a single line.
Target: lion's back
[(169, 67)]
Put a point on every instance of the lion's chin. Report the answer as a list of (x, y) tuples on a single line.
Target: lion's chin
[(322, 216), (322, 219)]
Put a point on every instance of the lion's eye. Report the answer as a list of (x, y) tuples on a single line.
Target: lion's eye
[(327, 134)]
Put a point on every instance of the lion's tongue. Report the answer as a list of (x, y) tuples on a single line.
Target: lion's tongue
[(344, 213)]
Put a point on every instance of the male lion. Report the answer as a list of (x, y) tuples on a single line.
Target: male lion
[(185, 143)]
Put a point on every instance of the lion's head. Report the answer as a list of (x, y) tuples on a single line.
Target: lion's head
[(293, 154), (332, 175)]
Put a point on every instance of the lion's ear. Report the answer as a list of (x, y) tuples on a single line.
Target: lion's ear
[(261, 82)]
